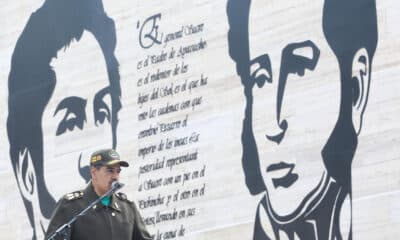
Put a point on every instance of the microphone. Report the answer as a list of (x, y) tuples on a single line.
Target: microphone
[(116, 186)]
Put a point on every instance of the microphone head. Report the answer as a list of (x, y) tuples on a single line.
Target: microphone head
[(116, 185)]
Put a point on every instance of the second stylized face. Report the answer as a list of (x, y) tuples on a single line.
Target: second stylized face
[(296, 98)]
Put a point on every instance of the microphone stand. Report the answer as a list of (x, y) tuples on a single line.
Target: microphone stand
[(64, 229)]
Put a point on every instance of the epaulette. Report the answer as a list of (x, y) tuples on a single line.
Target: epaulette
[(73, 195), (122, 196)]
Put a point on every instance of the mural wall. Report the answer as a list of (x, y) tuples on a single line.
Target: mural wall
[(241, 119)]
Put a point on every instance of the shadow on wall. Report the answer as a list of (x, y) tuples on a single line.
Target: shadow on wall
[(32, 81)]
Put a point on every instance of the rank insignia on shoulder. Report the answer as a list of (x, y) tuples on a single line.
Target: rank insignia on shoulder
[(122, 196), (73, 195)]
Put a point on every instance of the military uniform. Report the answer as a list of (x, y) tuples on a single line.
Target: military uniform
[(319, 221), (118, 221)]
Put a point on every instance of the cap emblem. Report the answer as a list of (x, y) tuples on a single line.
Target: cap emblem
[(95, 158), (113, 154)]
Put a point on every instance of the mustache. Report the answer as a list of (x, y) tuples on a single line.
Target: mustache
[(280, 166)]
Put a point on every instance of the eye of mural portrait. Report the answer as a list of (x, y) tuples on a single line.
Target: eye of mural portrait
[(75, 115), (101, 106), (260, 70), (299, 57)]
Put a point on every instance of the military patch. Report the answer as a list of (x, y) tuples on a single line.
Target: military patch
[(73, 195), (95, 158), (113, 154)]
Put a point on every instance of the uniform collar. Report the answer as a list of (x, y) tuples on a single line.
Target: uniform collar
[(89, 192), (115, 203), (316, 223), (91, 196)]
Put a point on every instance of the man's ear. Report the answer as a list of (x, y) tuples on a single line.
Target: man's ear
[(92, 171), (361, 75), (26, 179)]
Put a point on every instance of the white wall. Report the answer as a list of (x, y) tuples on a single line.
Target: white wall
[(226, 210)]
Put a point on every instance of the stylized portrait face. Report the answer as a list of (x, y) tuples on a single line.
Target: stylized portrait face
[(76, 121), (305, 67), (296, 98), (63, 101)]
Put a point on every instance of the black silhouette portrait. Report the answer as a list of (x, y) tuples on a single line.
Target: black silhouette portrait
[(31, 85), (306, 88)]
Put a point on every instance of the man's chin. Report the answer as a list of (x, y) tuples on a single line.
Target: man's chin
[(285, 209), (285, 204)]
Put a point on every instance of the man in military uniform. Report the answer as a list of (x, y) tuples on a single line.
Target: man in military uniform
[(115, 217)]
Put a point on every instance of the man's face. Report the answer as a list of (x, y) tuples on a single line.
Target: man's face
[(296, 97), (103, 177), (75, 121)]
